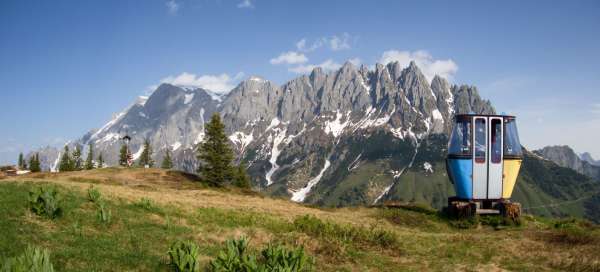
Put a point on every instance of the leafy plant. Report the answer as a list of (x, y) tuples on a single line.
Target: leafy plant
[(237, 257), (94, 195), (104, 214), (45, 201), (184, 256), (34, 259), (279, 258), (234, 257)]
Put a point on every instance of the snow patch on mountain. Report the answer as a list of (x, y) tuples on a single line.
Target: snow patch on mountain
[(54, 167), (301, 194), (275, 151), (336, 127), (387, 189), (108, 137), (138, 153), (428, 168), (241, 140), (176, 146), (188, 98), (437, 115)]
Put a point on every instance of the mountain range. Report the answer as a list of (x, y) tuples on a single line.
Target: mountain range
[(354, 136), (565, 156)]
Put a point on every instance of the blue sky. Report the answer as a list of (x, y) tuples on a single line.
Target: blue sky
[(67, 66)]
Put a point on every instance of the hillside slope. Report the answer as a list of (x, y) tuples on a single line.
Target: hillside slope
[(152, 208)]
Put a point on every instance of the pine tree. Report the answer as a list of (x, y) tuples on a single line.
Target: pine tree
[(66, 164), (167, 162), (89, 161), (214, 153), (241, 178), (146, 156), (123, 156), (34, 163), (100, 161), (21, 162), (77, 162)]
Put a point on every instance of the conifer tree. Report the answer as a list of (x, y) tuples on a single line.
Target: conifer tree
[(167, 162), (89, 161), (241, 178), (214, 153), (21, 161), (77, 162), (146, 156), (123, 156), (34, 163), (66, 163), (100, 161)]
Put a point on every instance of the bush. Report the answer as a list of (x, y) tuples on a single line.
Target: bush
[(45, 201), (33, 259), (94, 195), (279, 258), (104, 214), (236, 257), (184, 256), (345, 233)]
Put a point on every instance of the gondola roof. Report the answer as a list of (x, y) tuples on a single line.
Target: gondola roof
[(464, 115)]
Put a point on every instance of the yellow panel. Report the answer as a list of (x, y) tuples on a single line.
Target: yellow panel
[(511, 171)]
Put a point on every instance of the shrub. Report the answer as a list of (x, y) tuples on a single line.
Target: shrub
[(94, 195), (234, 257), (104, 214), (279, 258), (237, 257), (184, 256), (33, 259), (45, 201)]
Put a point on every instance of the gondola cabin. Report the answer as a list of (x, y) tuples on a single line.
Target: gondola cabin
[(484, 158)]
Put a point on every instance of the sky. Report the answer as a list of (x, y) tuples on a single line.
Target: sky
[(67, 66)]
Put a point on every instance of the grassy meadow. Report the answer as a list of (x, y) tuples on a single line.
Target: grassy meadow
[(150, 209)]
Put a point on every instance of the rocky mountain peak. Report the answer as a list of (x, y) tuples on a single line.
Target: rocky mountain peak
[(564, 156), (586, 156)]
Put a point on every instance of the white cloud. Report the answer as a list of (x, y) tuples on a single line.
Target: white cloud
[(290, 57), (335, 43), (355, 61), (429, 66), (340, 43), (222, 83), (327, 65), (245, 4), (172, 7)]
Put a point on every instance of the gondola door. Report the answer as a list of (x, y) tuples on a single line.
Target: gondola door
[(495, 150), (480, 157)]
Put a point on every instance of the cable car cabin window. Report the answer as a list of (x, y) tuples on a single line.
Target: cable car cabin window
[(512, 146), (460, 141), (480, 140), (496, 137)]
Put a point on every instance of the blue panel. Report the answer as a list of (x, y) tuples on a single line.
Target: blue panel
[(460, 171)]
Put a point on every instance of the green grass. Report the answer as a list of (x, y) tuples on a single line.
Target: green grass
[(412, 238)]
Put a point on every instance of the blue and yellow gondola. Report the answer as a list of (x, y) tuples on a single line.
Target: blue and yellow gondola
[(484, 157)]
